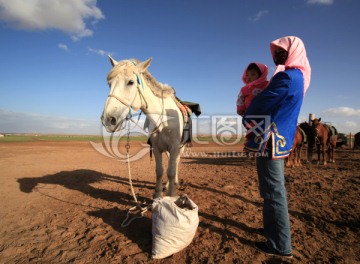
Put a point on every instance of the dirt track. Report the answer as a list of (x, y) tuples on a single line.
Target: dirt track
[(63, 202)]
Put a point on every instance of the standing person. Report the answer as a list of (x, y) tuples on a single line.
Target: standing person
[(273, 117), (255, 80)]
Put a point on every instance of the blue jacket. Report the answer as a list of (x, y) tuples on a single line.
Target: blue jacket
[(274, 113)]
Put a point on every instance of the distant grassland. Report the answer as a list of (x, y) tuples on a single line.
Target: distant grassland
[(34, 138)]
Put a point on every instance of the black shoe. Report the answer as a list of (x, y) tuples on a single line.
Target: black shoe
[(260, 231), (264, 248)]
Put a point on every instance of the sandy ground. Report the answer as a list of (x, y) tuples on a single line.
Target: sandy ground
[(63, 202)]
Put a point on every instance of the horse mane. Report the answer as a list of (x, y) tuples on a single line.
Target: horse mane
[(159, 89)]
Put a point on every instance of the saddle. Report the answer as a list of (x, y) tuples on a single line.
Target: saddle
[(187, 108), (333, 131)]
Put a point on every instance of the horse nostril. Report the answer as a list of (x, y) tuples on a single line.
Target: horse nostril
[(112, 121)]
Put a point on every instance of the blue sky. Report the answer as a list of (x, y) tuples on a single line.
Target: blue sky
[(53, 56)]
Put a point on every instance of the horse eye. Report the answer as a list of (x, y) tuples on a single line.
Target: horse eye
[(131, 82)]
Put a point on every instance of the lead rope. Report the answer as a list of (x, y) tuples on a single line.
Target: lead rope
[(137, 210), (317, 140)]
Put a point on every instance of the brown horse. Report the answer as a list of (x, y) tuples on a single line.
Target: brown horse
[(324, 138), (295, 153), (356, 141), (309, 140)]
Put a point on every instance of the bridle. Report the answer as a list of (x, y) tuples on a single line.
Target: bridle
[(139, 92), (143, 105), (318, 134)]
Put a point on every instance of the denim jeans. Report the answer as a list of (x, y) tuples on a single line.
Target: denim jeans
[(275, 210)]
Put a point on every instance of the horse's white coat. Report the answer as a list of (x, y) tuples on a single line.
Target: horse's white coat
[(129, 87)]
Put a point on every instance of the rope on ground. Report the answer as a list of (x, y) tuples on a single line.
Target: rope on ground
[(138, 211)]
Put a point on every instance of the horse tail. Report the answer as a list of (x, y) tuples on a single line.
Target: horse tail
[(303, 134)]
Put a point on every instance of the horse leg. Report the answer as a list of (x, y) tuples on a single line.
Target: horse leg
[(298, 163), (318, 152), (288, 163), (177, 165), (294, 158), (309, 152), (332, 159), (172, 171), (332, 154), (297, 157), (167, 183), (176, 169), (159, 173), (323, 153)]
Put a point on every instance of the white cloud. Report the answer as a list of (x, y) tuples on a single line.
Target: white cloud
[(350, 124), (63, 47), (341, 112), (100, 52), (18, 122), (67, 16), (348, 127), (320, 2), (259, 15)]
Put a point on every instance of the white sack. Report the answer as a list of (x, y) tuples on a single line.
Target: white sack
[(174, 224)]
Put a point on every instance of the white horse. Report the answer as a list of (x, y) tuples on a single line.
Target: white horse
[(132, 88)]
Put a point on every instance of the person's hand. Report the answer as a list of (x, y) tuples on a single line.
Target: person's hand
[(241, 112)]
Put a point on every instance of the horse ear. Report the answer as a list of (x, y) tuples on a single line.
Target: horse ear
[(112, 61), (144, 65), (319, 119)]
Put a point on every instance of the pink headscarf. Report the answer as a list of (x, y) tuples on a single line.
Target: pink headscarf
[(296, 57)]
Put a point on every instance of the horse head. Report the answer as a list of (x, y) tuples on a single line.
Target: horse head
[(315, 124), (125, 95)]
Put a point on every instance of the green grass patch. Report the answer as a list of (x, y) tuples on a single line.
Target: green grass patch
[(16, 139), (33, 138)]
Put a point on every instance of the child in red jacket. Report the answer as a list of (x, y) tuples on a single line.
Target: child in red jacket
[(255, 80)]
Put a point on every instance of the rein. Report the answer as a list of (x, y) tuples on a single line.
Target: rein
[(144, 103), (317, 136), (138, 210), (139, 93)]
